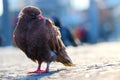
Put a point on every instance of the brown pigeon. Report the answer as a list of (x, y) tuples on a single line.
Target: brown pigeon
[(39, 39)]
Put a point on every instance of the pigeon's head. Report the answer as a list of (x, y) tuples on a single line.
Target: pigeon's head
[(30, 11)]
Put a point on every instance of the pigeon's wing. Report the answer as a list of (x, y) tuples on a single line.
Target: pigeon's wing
[(56, 44)]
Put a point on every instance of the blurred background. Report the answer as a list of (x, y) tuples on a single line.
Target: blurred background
[(86, 21)]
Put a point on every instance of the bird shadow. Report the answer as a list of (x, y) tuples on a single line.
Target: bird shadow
[(38, 76)]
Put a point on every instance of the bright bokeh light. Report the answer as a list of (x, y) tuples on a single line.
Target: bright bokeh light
[(1, 7), (80, 4)]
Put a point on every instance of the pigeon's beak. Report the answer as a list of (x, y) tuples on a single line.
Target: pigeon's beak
[(40, 17)]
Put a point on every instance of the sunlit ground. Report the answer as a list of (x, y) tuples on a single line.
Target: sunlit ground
[(93, 62)]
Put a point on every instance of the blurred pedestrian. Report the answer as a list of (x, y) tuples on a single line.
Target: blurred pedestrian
[(81, 34), (66, 35)]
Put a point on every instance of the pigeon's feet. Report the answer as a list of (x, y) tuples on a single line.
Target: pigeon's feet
[(38, 72)]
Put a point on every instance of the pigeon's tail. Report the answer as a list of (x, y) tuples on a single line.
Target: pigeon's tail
[(63, 58), (62, 54), (67, 62)]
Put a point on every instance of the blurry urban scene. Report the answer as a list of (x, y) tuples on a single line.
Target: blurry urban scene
[(90, 30), (89, 21)]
